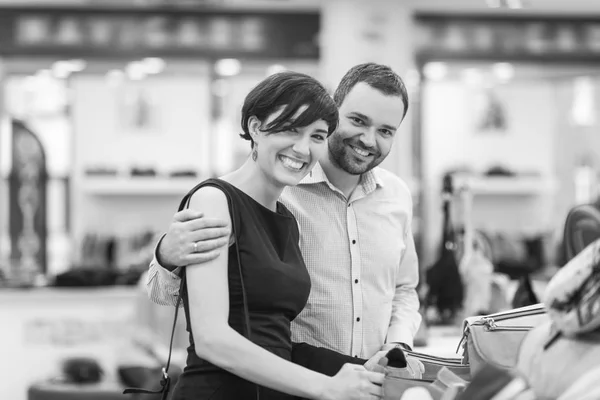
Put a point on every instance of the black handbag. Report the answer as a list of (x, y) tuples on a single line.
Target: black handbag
[(446, 290), (165, 381)]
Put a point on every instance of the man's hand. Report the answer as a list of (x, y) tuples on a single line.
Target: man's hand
[(414, 367), (192, 239), (373, 364)]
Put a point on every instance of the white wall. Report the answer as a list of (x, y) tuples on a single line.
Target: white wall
[(573, 143), (452, 139)]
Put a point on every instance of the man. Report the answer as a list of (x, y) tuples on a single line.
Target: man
[(355, 227)]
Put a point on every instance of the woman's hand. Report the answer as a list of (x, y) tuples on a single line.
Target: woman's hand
[(354, 382)]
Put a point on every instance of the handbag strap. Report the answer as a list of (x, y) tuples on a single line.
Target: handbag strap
[(165, 381), (448, 236)]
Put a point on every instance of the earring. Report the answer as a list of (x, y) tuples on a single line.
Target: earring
[(254, 152)]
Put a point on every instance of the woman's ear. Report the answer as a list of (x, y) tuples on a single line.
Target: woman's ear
[(254, 125)]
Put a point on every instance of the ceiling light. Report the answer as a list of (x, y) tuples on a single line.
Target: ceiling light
[(503, 71), (136, 71), (274, 69), (435, 71), (61, 69), (154, 65), (228, 67), (77, 65), (514, 4)]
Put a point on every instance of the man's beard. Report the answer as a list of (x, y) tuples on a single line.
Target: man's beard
[(343, 157)]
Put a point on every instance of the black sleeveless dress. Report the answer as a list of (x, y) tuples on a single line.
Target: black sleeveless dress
[(277, 286)]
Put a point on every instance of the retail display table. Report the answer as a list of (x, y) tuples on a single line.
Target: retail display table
[(41, 327)]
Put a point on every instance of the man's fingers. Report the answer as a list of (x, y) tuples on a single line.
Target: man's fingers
[(210, 245), (377, 368), (375, 377), (199, 258), (208, 234), (204, 223), (376, 392), (187, 215)]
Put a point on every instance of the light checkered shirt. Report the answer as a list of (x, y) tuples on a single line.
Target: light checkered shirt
[(361, 258)]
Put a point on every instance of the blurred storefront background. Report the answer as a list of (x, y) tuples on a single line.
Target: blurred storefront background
[(111, 110)]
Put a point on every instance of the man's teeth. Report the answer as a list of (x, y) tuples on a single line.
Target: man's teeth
[(288, 162), (361, 151)]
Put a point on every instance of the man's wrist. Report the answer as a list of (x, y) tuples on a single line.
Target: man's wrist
[(403, 346), (159, 260)]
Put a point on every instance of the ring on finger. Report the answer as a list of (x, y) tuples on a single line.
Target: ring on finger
[(195, 247)]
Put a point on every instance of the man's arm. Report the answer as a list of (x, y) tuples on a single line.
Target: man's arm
[(406, 318), (162, 285), (190, 239)]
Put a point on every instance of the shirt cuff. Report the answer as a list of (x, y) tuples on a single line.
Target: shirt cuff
[(165, 274), (399, 334), (402, 345), (174, 272)]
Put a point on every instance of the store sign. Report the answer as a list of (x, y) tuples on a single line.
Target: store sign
[(102, 32), (497, 37), (27, 205)]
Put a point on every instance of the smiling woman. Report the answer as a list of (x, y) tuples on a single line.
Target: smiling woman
[(278, 96), (290, 115)]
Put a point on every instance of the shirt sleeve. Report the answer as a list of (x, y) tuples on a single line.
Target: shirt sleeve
[(406, 319), (162, 285)]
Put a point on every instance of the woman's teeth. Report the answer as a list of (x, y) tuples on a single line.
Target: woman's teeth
[(292, 164)]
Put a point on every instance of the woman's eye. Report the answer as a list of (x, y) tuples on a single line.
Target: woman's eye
[(356, 120)]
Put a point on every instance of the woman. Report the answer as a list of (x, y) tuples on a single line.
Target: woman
[(287, 118)]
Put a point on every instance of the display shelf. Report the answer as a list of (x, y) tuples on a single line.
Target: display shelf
[(138, 186), (506, 186)]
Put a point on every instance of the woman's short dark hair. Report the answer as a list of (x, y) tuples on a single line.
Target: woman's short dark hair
[(291, 90)]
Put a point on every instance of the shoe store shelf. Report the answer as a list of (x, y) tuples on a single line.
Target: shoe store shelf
[(138, 186), (508, 186)]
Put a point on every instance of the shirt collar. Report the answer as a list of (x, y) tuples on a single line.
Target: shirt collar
[(369, 181)]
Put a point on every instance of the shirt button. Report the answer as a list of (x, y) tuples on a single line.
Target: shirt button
[(354, 242), (356, 281), (358, 319)]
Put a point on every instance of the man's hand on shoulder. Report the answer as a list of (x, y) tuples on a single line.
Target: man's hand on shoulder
[(192, 238)]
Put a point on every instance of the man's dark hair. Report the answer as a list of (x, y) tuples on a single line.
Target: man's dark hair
[(378, 76), (291, 90)]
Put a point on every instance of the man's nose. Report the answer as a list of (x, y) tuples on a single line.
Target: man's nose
[(368, 137)]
